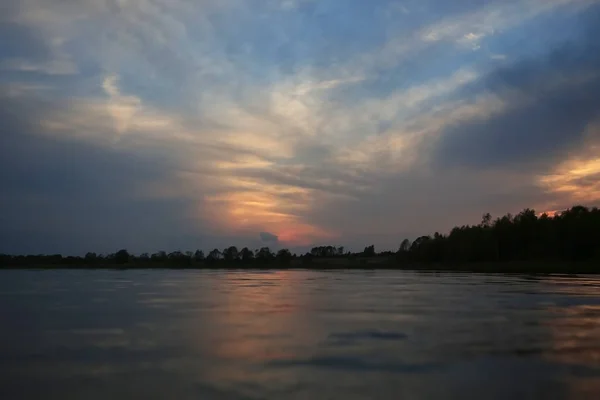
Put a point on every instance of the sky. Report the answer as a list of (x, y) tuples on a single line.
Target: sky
[(182, 124)]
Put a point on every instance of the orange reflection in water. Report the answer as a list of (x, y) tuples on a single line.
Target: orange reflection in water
[(258, 310), (260, 319), (576, 335)]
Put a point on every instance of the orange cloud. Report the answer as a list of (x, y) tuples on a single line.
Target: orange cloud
[(270, 208), (301, 234), (577, 178)]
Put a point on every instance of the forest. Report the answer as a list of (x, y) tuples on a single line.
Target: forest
[(570, 237)]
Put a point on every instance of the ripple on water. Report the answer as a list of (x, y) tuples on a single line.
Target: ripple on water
[(368, 335), (356, 364)]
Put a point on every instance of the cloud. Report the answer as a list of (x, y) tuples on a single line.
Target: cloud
[(469, 27), (576, 179), (238, 195), (268, 237), (472, 40), (71, 196), (307, 87), (52, 67), (550, 103), (314, 121), (494, 17)]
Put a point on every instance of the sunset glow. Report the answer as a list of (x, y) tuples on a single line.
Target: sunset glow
[(576, 178), (185, 124)]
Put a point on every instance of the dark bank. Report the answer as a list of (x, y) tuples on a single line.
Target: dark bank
[(565, 242)]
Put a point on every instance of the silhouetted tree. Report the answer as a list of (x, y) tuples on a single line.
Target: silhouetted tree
[(159, 257), (214, 255), (369, 251), (486, 220), (405, 245), (180, 259), (570, 235), (327, 251), (246, 255), (91, 258), (284, 257), (121, 257), (264, 254), (230, 253), (199, 256)]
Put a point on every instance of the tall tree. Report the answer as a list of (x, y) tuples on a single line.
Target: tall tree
[(405, 245), (230, 253), (214, 255), (246, 255), (199, 256), (264, 254), (284, 257), (369, 251), (121, 257)]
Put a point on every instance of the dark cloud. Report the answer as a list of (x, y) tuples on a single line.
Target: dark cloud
[(64, 195), (422, 202), (550, 102), (310, 153), (325, 177), (17, 41), (588, 182), (267, 237)]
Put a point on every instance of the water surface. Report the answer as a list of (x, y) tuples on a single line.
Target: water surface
[(297, 335)]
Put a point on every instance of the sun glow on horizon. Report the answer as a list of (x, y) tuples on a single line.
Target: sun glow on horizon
[(250, 212)]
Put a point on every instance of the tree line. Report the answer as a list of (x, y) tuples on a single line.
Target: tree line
[(572, 235)]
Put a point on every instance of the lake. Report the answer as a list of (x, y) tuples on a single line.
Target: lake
[(168, 334)]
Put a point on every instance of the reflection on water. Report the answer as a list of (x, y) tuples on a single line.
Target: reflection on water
[(576, 333), (297, 335)]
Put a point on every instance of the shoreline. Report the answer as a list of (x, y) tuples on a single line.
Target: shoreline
[(521, 267)]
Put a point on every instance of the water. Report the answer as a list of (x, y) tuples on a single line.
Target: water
[(297, 335)]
